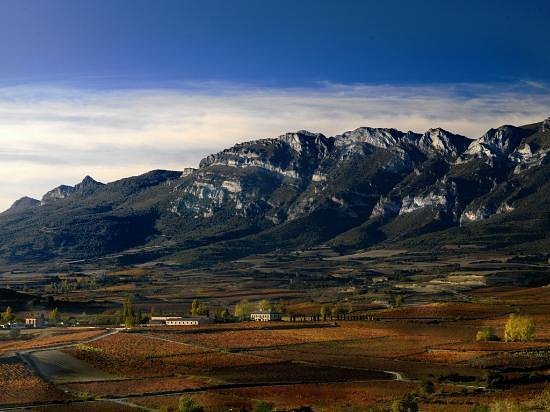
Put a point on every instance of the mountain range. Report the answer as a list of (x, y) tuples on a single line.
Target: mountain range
[(369, 186)]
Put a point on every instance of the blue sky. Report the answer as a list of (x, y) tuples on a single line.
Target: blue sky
[(132, 43), (116, 88)]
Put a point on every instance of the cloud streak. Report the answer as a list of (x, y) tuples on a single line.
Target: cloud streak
[(52, 135)]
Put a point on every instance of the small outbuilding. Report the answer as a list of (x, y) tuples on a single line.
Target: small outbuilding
[(34, 322)]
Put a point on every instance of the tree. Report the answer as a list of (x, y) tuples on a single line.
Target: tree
[(8, 315), (187, 404), (397, 300), (128, 313), (54, 316), (481, 408), (427, 388), (263, 407), (506, 405), (130, 322), (243, 309), (486, 334), (198, 309), (519, 329), (264, 304), (493, 379), (203, 310), (406, 404), (194, 307), (339, 311), (281, 307), (324, 311), (223, 315)]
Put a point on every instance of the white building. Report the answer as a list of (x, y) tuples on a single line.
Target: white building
[(180, 321), (265, 316), (33, 323)]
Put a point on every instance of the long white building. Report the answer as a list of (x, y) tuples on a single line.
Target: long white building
[(180, 320), (265, 316)]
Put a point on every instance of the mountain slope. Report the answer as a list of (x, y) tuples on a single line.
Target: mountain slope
[(302, 189)]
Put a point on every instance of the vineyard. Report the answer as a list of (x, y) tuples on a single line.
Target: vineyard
[(135, 355), (325, 365), (46, 340), (257, 338), (20, 385)]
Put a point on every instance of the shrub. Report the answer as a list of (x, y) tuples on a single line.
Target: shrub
[(519, 329), (14, 333), (406, 404), (506, 405), (427, 388), (493, 379), (541, 401), (263, 407), (187, 404), (243, 309), (481, 408), (486, 334)]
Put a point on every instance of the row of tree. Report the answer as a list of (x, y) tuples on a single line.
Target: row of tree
[(244, 308)]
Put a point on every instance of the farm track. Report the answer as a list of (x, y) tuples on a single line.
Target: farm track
[(27, 358), (42, 405), (26, 355)]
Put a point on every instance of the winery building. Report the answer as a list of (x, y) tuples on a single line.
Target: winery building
[(265, 316), (179, 320)]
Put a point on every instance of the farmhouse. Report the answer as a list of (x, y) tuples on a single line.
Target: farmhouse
[(33, 323), (265, 316)]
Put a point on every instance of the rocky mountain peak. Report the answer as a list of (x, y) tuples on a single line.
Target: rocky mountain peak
[(23, 204), (545, 126), (441, 141), (378, 137), (60, 192), (501, 141), (87, 184), (303, 139)]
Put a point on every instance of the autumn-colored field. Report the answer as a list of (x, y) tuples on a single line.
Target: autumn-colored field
[(445, 311), (140, 355), (138, 386), (324, 397), (255, 338), (21, 386), (43, 340), (329, 366)]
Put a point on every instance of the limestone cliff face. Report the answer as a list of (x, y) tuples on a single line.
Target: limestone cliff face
[(87, 186), (367, 171)]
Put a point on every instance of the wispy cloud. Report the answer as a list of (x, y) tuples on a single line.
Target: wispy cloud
[(52, 135)]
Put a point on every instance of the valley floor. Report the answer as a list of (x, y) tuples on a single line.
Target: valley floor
[(327, 366)]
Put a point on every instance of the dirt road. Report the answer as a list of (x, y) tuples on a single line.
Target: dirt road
[(59, 367)]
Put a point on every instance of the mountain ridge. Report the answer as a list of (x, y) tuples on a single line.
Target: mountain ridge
[(356, 189)]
